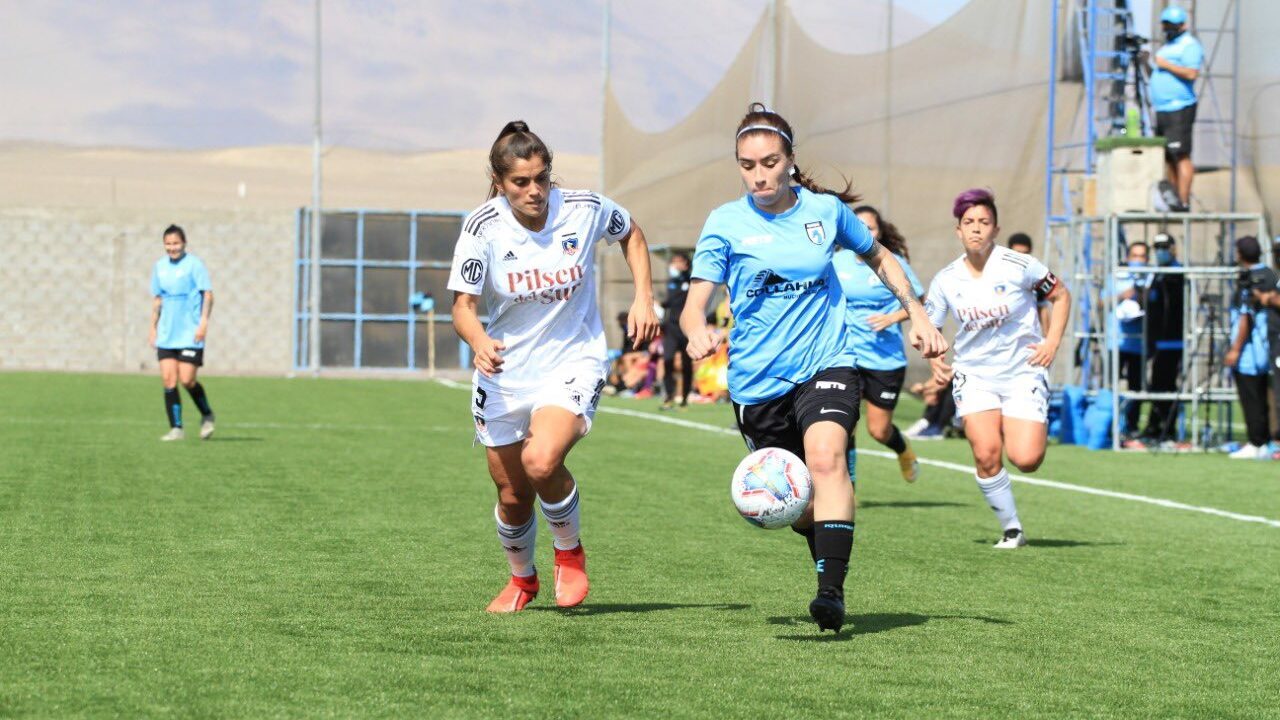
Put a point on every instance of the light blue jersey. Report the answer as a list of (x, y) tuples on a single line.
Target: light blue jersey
[(864, 296), (788, 310), (1168, 91), (1130, 331), (1255, 356), (180, 286)]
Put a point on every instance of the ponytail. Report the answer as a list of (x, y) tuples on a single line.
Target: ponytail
[(515, 140), (805, 181)]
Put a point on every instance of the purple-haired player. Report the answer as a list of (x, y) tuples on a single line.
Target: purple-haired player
[(1001, 365)]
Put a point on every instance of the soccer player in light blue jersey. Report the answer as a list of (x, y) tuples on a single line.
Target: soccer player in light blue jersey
[(179, 323), (873, 315), (792, 374)]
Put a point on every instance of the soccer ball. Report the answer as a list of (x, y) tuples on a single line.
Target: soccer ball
[(771, 488)]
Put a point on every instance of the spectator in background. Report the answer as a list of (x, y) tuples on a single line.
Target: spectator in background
[(1164, 307), (1176, 67), (674, 343), (1020, 242), (1270, 299), (939, 411), (1130, 293), (1249, 357)]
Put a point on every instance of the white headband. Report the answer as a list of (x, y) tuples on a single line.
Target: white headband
[(749, 128)]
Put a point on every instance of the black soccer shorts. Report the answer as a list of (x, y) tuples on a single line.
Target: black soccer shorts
[(190, 356), (830, 396)]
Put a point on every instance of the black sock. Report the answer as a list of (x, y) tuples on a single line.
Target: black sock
[(896, 442), (198, 397), (833, 543), (808, 536), (173, 407)]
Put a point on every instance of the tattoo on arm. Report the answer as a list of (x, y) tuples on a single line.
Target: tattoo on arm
[(904, 295)]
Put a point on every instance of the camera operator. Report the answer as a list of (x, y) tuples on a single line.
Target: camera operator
[(1164, 307), (1269, 298), (1176, 67), (1249, 357)]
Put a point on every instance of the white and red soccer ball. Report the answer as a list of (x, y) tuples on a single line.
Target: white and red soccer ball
[(771, 488)]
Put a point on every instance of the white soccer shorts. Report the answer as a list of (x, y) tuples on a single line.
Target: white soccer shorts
[(503, 417), (1024, 395)]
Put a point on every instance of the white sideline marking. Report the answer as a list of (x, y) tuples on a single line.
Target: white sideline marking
[(958, 467), (250, 425)]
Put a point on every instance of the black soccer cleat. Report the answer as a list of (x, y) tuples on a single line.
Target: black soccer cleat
[(827, 609)]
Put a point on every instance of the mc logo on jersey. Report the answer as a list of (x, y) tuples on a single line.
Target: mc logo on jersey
[(616, 223), (570, 244), (817, 235)]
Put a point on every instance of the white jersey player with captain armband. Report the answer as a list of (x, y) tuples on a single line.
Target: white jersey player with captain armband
[(529, 252), (1000, 374)]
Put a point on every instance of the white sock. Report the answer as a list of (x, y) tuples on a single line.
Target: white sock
[(564, 521), (999, 493), (518, 542)]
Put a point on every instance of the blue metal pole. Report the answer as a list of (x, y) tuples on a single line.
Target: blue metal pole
[(297, 270), (359, 326), (1053, 93), (413, 283)]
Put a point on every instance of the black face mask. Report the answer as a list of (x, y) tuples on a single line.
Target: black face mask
[(1171, 33)]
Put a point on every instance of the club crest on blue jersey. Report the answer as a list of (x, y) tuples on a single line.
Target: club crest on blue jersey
[(817, 235), (570, 244)]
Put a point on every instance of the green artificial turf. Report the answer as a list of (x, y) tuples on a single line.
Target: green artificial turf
[(330, 552)]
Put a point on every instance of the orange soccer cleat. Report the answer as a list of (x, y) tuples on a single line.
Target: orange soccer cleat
[(518, 593), (571, 576)]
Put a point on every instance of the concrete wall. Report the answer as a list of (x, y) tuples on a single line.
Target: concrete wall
[(74, 286)]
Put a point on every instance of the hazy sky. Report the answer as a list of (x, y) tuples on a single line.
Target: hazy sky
[(398, 74)]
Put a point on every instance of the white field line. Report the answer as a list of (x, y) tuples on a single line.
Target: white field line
[(966, 469), (159, 424)]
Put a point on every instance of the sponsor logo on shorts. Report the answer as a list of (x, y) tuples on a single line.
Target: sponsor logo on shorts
[(830, 385), (886, 395), (188, 353), (826, 410), (576, 397)]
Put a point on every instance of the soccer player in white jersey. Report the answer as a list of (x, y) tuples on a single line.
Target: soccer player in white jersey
[(1001, 364), (183, 302), (792, 373), (541, 360)]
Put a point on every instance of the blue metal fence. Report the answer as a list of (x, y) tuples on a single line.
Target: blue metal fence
[(352, 333)]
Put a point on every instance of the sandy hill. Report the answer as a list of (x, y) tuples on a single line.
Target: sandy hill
[(45, 175)]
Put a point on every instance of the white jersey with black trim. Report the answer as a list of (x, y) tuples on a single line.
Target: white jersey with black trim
[(995, 313), (538, 287)]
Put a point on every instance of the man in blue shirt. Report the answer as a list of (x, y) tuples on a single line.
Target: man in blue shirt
[(1176, 67), (1249, 356), (1130, 292)]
